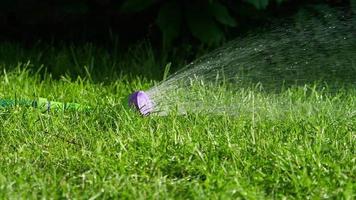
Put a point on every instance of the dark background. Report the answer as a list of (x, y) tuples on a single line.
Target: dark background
[(101, 21), (112, 36)]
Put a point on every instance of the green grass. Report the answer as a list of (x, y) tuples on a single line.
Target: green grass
[(112, 152)]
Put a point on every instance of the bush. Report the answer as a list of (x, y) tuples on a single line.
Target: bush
[(205, 20), (209, 21)]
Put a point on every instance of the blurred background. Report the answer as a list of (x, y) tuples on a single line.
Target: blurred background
[(140, 37)]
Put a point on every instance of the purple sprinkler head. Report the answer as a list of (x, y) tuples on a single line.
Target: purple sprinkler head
[(141, 102)]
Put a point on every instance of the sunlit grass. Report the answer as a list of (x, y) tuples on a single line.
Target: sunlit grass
[(113, 152)]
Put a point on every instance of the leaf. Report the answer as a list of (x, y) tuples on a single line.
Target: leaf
[(169, 20), (136, 5), (221, 14), (259, 4), (202, 25)]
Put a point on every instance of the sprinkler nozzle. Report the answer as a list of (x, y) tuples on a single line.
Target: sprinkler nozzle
[(141, 102)]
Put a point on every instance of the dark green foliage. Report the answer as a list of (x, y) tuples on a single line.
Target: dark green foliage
[(221, 14), (209, 21), (206, 20), (203, 19), (136, 5), (353, 5), (169, 21), (259, 4), (75, 8), (202, 24)]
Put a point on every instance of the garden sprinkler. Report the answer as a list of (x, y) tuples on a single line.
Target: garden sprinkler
[(142, 102)]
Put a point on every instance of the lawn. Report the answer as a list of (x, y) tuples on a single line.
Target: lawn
[(113, 152)]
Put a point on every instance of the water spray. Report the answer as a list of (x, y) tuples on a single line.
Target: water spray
[(319, 49)]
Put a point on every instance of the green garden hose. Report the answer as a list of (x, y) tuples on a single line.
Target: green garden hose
[(43, 104)]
